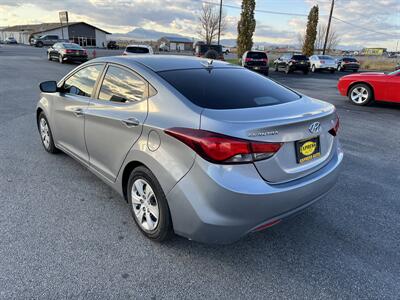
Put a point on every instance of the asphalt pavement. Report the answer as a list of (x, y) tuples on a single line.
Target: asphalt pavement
[(65, 234)]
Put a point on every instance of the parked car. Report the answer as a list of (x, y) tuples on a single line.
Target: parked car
[(322, 63), (164, 132), (256, 61), (209, 51), (225, 50), (11, 40), (138, 49), (292, 62), (363, 88), (64, 52), (47, 40), (112, 45), (348, 63)]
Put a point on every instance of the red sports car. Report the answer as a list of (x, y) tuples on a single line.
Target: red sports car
[(362, 88)]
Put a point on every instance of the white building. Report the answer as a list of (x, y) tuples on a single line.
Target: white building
[(81, 33)]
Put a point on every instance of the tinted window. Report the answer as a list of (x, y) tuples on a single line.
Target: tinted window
[(120, 85), (325, 57), (205, 48), (72, 46), (299, 57), (228, 88), (83, 81), (137, 50), (349, 59), (256, 55)]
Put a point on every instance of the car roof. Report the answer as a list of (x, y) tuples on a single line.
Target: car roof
[(159, 63)]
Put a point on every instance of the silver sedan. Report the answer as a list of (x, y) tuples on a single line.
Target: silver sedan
[(204, 149)]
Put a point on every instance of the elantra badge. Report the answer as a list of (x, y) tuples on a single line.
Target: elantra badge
[(315, 127)]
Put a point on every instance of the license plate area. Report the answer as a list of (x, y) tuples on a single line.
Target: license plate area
[(307, 150)]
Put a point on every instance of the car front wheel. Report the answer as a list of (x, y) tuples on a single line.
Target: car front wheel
[(45, 134), (48, 56), (313, 69), (60, 59), (149, 205), (360, 94)]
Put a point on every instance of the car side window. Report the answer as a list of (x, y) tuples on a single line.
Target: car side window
[(83, 81), (120, 85)]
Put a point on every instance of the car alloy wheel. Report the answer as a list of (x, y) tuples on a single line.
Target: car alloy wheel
[(360, 94), (145, 205), (48, 56), (339, 68), (313, 69), (44, 133), (60, 59)]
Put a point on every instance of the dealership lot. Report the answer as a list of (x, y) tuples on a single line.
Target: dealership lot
[(64, 233)]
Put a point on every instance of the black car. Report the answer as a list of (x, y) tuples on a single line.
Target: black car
[(348, 63), (67, 52), (209, 51), (112, 45), (292, 62), (256, 61)]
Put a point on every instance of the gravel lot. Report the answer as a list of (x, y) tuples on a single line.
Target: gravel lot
[(65, 234)]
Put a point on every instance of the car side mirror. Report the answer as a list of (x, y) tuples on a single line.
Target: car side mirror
[(48, 86)]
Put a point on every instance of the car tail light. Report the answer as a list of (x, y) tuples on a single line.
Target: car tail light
[(322, 61), (84, 52), (69, 51), (335, 129), (222, 149), (247, 59), (265, 60)]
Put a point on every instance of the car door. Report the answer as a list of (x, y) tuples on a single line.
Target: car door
[(393, 88), (69, 110), (114, 120)]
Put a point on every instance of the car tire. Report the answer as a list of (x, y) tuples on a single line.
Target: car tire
[(159, 228), (60, 59), (287, 70), (339, 69), (305, 72), (276, 68), (332, 71), (46, 135), (360, 94), (313, 69), (39, 44), (49, 56)]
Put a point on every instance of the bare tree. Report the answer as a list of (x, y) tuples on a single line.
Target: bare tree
[(209, 19), (333, 39)]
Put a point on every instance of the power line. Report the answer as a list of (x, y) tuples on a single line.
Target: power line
[(303, 15)]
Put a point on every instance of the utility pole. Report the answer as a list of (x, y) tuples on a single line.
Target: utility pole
[(329, 26), (219, 22)]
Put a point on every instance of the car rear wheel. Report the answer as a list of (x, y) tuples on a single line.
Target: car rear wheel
[(45, 134), (339, 68), (149, 205), (313, 69), (40, 44), (276, 68), (48, 56), (287, 70), (360, 94), (305, 72), (60, 59)]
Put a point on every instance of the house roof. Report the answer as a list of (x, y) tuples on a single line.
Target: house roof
[(39, 28), (177, 39)]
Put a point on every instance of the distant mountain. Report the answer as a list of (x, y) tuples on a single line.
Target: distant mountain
[(142, 34)]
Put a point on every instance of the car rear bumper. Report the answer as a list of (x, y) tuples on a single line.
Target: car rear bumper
[(350, 67), (300, 67), (220, 204), (327, 67), (75, 58), (261, 69)]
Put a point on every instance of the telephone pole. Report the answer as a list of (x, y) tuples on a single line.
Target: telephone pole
[(329, 26), (219, 22)]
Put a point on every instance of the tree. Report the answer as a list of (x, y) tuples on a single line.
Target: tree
[(311, 31), (333, 39), (209, 19), (246, 27)]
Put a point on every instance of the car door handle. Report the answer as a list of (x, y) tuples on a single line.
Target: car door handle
[(131, 122), (78, 112)]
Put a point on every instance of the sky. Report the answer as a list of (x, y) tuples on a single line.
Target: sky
[(364, 23)]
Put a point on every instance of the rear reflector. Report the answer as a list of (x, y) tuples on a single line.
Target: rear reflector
[(270, 224), (222, 149)]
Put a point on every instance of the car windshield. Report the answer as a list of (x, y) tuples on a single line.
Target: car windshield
[(256, 55), (325, 57), (349, 59), (135, 49), (228, 88), (299, 57), (72, 46)]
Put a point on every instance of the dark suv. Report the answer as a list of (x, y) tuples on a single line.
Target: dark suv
[(292, 62), (209, 51), (348, 63), (256, 61)]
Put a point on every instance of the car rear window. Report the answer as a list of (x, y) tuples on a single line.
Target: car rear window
[(72, 46), (205, 48), (256, 55), (325, 57), (228, 88), (137, 50), (350, 59), (300, 57)]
